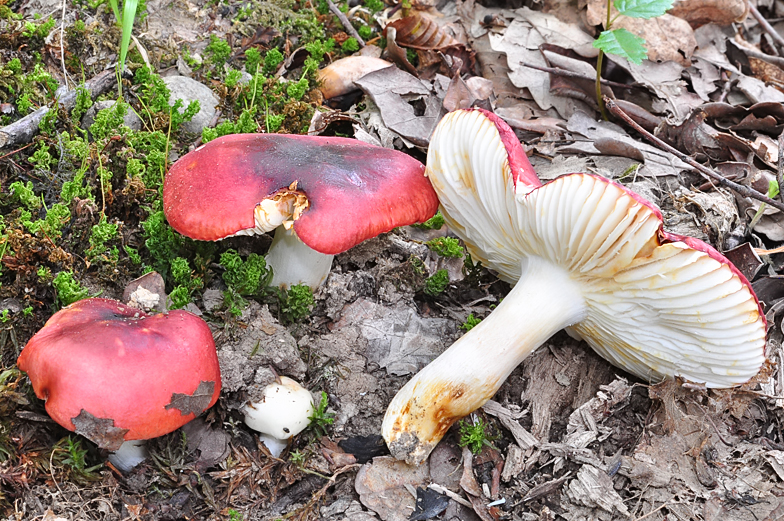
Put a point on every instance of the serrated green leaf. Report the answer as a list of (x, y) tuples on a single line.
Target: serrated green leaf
[(643, 8), (622, 43)]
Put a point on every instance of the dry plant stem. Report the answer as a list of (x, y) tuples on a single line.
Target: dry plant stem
[(764, 24), (331, 481), (346, 23), (780, 169), (742, 190), (577, 75), (22, 131), (62, 45)]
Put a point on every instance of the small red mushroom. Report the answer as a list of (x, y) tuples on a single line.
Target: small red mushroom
[(114, 373), (329, 193)]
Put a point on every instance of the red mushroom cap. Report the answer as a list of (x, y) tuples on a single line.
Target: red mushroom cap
[(355, 191), (112, 373)]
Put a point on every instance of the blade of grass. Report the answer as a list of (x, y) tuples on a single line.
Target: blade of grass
[(128, 17)]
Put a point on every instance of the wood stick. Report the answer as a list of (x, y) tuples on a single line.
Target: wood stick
[(22, 131), (764, 24), (569, 74), (707, 172), (346, 23)]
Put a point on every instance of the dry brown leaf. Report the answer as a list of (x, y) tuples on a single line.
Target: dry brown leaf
[(701, 12), (767, 72), (426, 37), (418, 32), (666, 37)]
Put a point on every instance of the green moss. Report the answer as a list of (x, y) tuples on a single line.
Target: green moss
[(100, 234), (244, 124), (470, 322), (23, 194), (161, 241), (351, 45), (218, 51), (437, 283), (434, 223), (374, 6), (446, 247), (296, 303), (365, 32), (68, 289), (246, 277), (252, 60), (83, 102), (272, 60)]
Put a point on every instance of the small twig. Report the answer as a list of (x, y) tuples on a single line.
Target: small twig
[(451, 495), (764, 24), (653, 511), (15, 151), (569, 74), (23, 130), (742, 190), (331, 481), (346, 23), (62, 45), (780, 173)]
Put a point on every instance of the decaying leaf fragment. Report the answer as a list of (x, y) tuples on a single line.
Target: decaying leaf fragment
[(101, 431), (195, 403)]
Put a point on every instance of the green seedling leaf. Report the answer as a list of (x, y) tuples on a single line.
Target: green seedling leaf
[(129, 14), (773, 188), (643, 8), (622, 43)]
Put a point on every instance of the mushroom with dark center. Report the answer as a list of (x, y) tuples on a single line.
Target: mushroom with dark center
[(585, 254), (113, 373), (328, 193)]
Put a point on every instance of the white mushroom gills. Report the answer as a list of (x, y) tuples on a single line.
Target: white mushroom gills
[(283, 411), (291, 260), (585, 255)]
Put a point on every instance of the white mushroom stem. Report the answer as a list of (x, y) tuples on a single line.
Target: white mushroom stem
[(465, 376), (294, 262), (130, 454)]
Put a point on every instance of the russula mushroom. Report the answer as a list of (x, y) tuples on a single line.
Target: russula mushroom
[(585, 254), (328, 193), (283, 411), (113, 373)]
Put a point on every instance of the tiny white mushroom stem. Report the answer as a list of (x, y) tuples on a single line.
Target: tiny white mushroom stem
[(465, 376), (294, 262)]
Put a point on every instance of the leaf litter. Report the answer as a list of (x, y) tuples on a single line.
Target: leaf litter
[(571, 438)]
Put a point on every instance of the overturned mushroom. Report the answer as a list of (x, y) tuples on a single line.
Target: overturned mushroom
[(586, 254), (113, 373), (323, 194)]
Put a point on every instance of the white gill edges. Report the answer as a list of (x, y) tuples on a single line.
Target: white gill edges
[(677, 312), (468, 167), (587, 225)]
